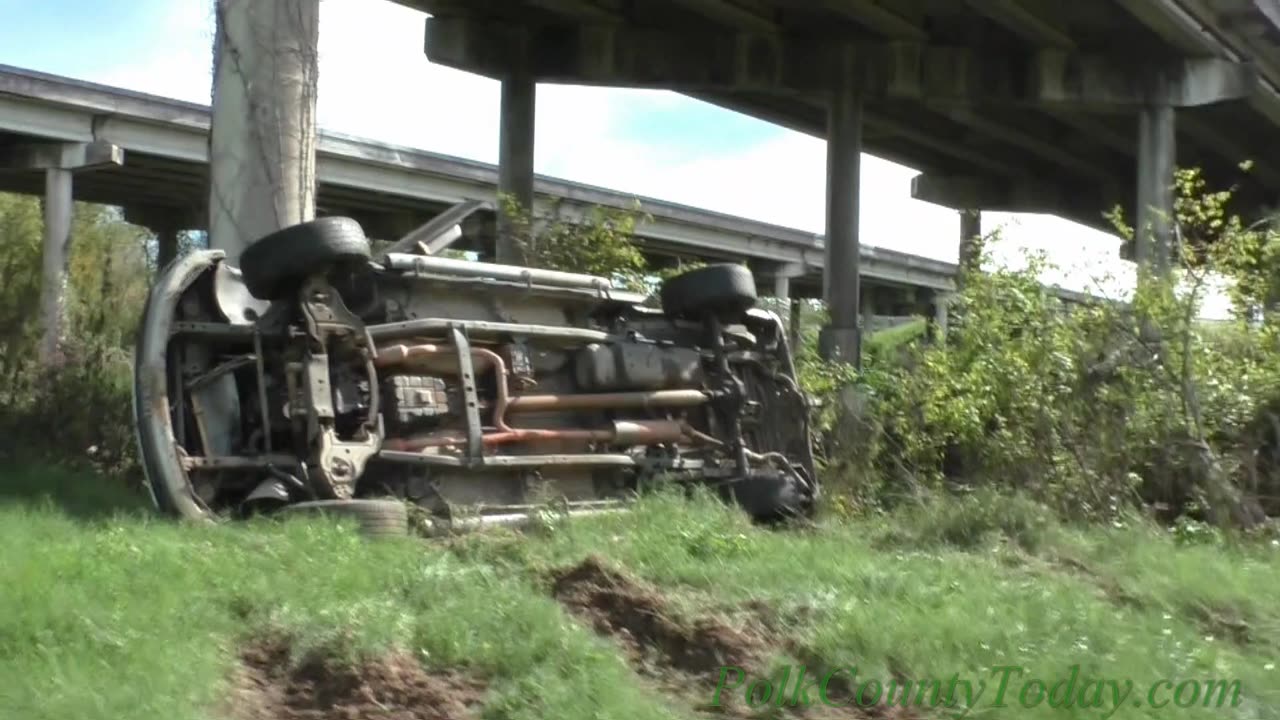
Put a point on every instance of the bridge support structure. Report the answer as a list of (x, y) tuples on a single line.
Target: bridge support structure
[(841, 340), (782, 275), (167, 224), (59, 161), (970, 241), (263, 134), (1157, 155), (515, 157)]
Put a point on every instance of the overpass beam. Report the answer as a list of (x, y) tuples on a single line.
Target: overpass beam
[(515, 158), (61, 156), (841, 340), (1157, 153), (1080, 203), (696, 61)]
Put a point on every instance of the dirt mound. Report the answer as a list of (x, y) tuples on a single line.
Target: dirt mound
[(394, 687), (641, 619), (690, 654)]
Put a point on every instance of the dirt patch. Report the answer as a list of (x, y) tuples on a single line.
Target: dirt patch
[(642, 620), (1109, 588), (1219, 622), (683, 658), (1223, 622), (393, 687)]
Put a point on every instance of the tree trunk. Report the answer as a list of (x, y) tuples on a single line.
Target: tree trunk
[(263, 138)]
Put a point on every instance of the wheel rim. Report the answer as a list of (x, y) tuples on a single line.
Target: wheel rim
[(167, 479)]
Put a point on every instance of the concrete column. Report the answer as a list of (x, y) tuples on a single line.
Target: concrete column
[(55, 272), (1157, 153), (166, 245), (781, 287), (970, 240), (841, 340), (938, 325), (793, 329), (869, 308), (515, 156), (262, 143)]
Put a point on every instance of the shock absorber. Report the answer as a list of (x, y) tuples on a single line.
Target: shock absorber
[(728, 396)]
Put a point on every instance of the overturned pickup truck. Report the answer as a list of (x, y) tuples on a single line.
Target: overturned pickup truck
[(320, 375)]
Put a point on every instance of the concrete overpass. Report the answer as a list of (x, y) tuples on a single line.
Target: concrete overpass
[(149, 156), (1068, 108)]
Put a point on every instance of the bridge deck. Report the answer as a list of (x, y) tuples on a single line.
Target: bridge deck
[(389, 189), (1033, 103)]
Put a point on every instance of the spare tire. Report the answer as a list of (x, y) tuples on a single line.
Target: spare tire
[(377, 518), (276, 265), (726, 291)]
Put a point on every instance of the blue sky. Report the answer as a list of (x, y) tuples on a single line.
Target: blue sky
[(375, 82)]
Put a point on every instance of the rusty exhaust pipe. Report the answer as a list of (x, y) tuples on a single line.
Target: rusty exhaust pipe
[(624, 432), (609, 401)]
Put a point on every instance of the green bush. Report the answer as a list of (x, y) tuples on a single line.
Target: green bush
[(602, 243), (78, 410), (1093, 411)]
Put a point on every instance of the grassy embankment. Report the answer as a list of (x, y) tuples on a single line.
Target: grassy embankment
[(109, 612)]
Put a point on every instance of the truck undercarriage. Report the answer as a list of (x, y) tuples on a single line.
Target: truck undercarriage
[(318, 375)]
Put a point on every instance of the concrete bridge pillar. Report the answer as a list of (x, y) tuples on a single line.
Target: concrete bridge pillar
[(794, 324), (1157, 153), (55, 270), (941, 313), (515, 157), (781, 287), (59, 161), (782, 277), (970, 240), (166, 223), (262, 138), (841, 340), (869, 307)]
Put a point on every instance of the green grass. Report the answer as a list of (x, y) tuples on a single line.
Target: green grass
[(124, 615), (891, 339), (135, 617)]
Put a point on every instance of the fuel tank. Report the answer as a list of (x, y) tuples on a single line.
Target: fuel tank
[(636, 366)]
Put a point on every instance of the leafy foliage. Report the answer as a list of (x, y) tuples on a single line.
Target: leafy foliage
[(79, 410), (602, 243), (1092, 410)]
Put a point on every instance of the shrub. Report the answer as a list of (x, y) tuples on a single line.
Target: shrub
[(601, 243), (1093, 411), (77, 412)]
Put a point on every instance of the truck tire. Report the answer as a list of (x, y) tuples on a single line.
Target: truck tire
[(377, 518), (276, 265), (726, 291), (772, 497)]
